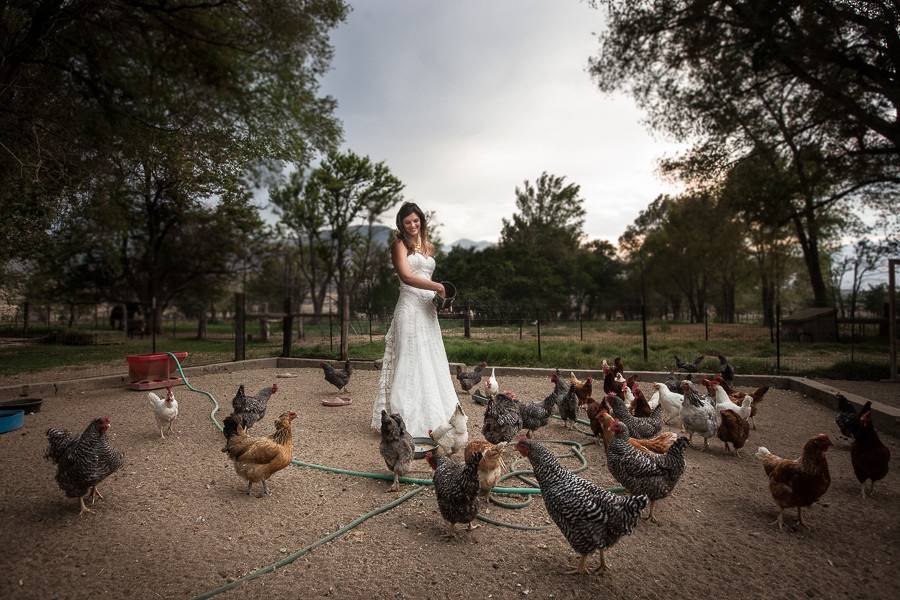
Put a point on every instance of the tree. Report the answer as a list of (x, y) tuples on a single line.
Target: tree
[(352, 191), (227, 84), (541, 241), (866, 256), (808, 84)]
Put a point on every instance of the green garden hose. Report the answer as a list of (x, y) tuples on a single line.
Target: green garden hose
[(575, 449)]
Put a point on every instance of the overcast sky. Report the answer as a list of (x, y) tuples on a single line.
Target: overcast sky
[(464, 100)]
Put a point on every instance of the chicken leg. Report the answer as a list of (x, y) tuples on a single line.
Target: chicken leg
[(396, 486), (780, 520), (94, 494), (650, 516), (581, 569), (266, 491), (603, 564), (84, 507)]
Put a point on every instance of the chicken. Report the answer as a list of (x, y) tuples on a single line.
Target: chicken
[(165, 411), (536, 414), (250, 410), (609, 378), (568, 408), (467, 381), (397, 447), (653, 475), (868, 455), (456, 487), (637, 402), (756, 397), (659, 444), (698, 414), (670, 401), (477, 398), (674, 381), (725, 369), (256, 459), (847, 417), (733, 429), (689, 367), (797, 483), (560, 387), (502, 420), (640, 427), (451, 437), (724, 402), (595, 413), (84, 461), (589, 517), (491, 465), (339, 379), (493, 388), (618, 366), (583, 389)]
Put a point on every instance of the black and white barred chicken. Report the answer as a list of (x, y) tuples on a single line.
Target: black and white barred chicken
[(589, 517), (536, 414), (339, 379), (456, 486), (83, 461), (560, 387), (249, 410), (502, 420), (467, 381), (568, 407), (651, 474), (641, 428)]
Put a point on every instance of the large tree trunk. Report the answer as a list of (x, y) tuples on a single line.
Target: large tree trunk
[(201, 326), (808, 235)]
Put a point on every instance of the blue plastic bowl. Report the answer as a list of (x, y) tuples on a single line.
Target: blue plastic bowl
[(10, 420)]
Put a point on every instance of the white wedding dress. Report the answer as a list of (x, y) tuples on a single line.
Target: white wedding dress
[(415, 374)]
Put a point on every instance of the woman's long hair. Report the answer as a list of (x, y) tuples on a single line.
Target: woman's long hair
[(407, 209)]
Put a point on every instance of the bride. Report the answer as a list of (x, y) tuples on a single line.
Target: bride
[(415, 375)]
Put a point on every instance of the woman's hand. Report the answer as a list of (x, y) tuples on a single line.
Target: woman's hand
[(442, 292)]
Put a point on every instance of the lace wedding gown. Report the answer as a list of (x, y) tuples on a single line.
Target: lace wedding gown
[(415, 375)]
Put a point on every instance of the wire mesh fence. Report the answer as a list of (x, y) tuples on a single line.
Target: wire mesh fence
[(64, 343)]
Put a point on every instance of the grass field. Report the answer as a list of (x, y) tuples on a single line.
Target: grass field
[(569, 344)]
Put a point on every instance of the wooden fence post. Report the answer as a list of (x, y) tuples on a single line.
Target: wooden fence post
[(287, 329), (240, 337), (467, 322)]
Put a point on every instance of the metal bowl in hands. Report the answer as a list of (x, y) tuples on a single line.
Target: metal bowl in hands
[(423, 445), (445, 302)]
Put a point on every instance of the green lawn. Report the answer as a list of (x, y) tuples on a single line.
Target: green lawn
[(562, 344)]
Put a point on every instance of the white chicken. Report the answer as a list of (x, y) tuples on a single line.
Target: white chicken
[(493, 388), (453, 436), (165, 411), (671, 402), (723, 402)]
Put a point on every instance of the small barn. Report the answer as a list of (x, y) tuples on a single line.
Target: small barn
[(810, 325)]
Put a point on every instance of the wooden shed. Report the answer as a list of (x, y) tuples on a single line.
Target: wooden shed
[(810, 325)]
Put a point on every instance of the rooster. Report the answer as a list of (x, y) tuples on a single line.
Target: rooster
[(502, 420), (83, 461), (339, 379), (797, 482), (467, 381), (689, 367), (456, 487), (451, 437), (256, 459), (165, 411), (397, 447), (654, 475), (249, 410), (589, 517)]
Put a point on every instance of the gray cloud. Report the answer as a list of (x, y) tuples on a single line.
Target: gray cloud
[(464, 100)]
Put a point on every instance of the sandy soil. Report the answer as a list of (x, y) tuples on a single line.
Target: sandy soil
[(175, 521)]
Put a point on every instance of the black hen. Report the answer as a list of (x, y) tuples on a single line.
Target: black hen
[(502, 420), (84, 461), (456, 486), (589, 517), (467, 381), (726, 370), (339, 379), (536, 414), (249, 410), (689, 367), (847, 417), (568, 407), (397, 447)]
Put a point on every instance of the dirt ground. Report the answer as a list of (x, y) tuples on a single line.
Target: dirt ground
[(175, 521), (887, 392)]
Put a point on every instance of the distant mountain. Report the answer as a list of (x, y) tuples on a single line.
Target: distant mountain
[(469, 244)]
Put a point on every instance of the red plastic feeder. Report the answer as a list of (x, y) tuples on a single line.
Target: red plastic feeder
[(153, 371)]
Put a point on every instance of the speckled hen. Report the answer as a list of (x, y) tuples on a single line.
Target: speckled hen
[(589, 517), (642, 473), (456, 487), (502, 420), (640, 427)]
